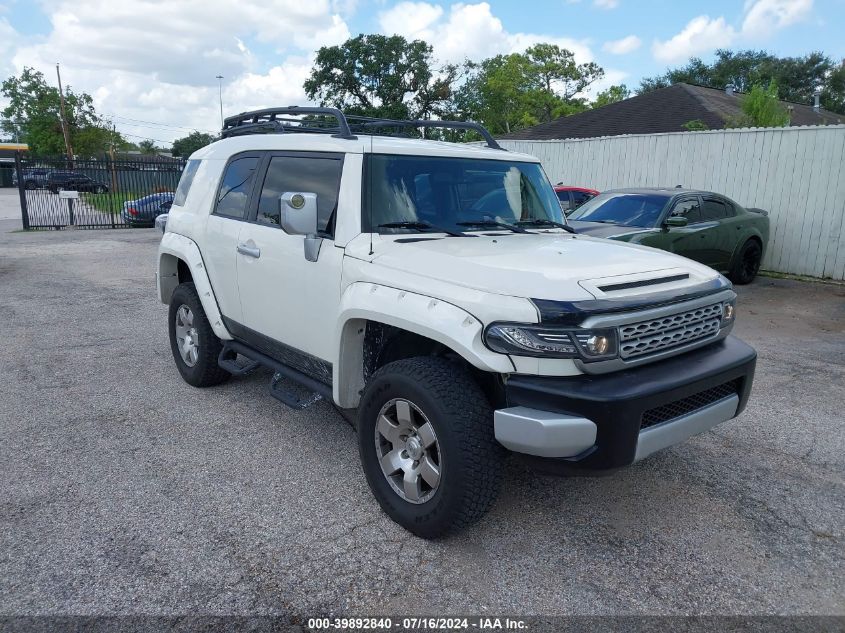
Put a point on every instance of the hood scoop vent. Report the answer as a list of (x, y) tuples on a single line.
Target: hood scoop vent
[(628, 285)]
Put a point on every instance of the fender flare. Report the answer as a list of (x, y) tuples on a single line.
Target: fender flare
[(173, 248), (432, 318), (745, 236)]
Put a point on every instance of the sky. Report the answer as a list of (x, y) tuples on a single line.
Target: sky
[(151, 65)]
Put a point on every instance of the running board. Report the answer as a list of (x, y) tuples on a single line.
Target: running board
[(256, 359)]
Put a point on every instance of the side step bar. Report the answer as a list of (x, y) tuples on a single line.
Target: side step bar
[(227, 361)]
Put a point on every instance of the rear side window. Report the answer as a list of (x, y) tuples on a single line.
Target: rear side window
[(233, 195), (300, 174), (579, 198), (185, 182), (713, 210)]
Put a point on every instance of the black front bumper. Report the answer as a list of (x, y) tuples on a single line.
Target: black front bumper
[(616, 402)]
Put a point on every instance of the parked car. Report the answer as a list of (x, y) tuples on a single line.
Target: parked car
[(144, 211), (705, 226), (35, 178), (455, 323), (74, 181), (573, 197)]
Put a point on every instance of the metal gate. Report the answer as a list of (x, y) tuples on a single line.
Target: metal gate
[(58, 192)]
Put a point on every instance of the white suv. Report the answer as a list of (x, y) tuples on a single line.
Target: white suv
[(436, 289)]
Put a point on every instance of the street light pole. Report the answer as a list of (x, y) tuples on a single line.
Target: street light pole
[(220, 90)]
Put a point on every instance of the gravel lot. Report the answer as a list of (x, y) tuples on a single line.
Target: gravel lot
[(127, 491)]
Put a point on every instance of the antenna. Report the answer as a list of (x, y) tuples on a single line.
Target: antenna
[(369, 167)]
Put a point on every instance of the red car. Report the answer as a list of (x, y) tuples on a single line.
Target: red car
[(573, 197)]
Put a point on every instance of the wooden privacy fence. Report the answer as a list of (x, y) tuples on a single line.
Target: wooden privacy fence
[(797, 174)]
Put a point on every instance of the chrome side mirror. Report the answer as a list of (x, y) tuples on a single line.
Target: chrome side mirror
[(299, 217)]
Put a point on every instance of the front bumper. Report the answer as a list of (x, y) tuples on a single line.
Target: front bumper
[(601, 422)]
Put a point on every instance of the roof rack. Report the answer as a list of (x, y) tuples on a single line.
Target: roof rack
[(286, 119), (280, 120)]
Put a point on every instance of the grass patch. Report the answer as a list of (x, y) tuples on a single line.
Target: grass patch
[(818, 280), (111, 202)]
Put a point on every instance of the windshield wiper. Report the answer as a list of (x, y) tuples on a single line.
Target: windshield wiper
[(502, 225), (543, 222), (422, 226)]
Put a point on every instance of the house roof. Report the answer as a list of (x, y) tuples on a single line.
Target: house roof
[(663, 110)]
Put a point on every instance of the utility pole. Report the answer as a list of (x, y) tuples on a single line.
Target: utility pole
[(111, 155), (220, 90), (65, 129)]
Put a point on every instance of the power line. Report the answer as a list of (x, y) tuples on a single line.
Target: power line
[(156, 124)]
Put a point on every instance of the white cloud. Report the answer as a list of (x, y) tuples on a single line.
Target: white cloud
[(622, 46), (699, 35), (606, 4), (469, 31), (764, 17), (156, 61)]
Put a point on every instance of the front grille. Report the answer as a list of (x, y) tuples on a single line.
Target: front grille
[(657, 335), (672, 410)]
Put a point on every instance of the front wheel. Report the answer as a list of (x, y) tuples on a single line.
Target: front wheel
[(425, 436), (194, 344), (747, 263)]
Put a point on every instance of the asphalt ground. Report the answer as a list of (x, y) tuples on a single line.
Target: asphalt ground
[(125, 491)]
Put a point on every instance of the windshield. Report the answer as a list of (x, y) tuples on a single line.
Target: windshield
[(628, 209), (452, 192)]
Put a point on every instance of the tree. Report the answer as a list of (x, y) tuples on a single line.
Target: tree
[(511, 92), (187, 145), (614, 94), (148, 147), (761, 108), (383, 76), (798, 78), (33, 111)]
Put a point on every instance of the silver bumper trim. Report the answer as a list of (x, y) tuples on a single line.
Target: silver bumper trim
[(679, 429), (543, 433)]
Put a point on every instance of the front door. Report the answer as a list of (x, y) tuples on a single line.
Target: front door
[(285, 298), (696, 240)]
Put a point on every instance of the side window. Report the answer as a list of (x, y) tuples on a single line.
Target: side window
[(579, 198), (293, 173), (565, 201), (689, 209), (185, 182), (713, 210), (235, 187)]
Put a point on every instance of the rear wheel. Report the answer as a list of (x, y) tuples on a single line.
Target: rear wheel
[(30, 184), (425, 435), (747, 263), (99, 189), (194, 345)]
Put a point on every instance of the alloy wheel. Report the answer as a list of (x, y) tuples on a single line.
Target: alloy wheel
[(408, 451), (187, 337)]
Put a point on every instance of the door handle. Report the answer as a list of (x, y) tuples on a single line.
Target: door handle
[(249, 251)]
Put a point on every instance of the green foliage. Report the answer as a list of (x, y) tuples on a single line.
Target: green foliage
[(761, 108), (187, 145), (798, 78), (384, 76), (695, 125), (614, 94), (34, 108), (510, 92), (148, 147)]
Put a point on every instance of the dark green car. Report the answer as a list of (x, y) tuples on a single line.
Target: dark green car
[(707, 227)]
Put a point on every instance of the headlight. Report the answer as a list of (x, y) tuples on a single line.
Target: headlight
[(545, 342)]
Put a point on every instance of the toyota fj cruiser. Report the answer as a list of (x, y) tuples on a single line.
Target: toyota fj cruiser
[(436, 289)]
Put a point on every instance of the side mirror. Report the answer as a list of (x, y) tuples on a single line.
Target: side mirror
[(299, 217), (299, 212), (676, 221)]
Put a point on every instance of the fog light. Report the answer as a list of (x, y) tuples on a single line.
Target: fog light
[(729, 312), (598, 345)]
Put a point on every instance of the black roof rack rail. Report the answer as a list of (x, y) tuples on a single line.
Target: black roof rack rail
[(373, 122), (285, 119)]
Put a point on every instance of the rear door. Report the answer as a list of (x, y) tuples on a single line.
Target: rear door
[(289, 303), (723, 213)]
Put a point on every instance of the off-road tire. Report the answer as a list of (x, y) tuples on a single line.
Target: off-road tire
[(471, 459), (747, 263), (206, 372)]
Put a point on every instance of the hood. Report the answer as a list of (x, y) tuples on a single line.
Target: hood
[(554, 266), (600, 229)]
